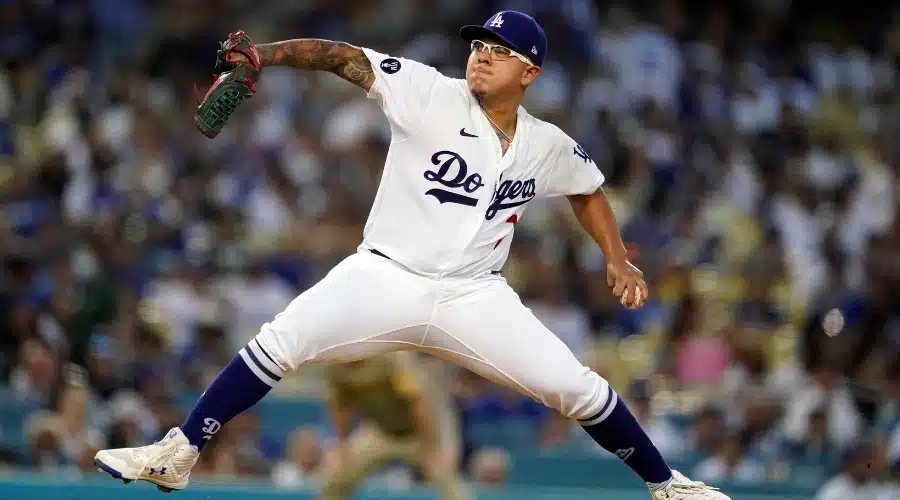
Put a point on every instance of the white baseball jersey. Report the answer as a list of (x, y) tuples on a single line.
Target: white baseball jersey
[(449, 197), (444, 215)]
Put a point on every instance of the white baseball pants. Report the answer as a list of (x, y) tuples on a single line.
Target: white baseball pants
[(370, 305)]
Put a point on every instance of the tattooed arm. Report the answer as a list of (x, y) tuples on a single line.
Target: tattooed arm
[(404, 98), (344, 60)]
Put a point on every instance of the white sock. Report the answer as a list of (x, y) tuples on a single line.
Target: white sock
[(659, 486)]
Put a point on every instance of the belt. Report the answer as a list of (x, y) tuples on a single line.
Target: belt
[(376, 252)]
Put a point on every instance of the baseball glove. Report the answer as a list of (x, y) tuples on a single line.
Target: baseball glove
[(233, 83)]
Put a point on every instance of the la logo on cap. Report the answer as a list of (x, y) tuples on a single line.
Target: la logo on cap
[(498, 21)]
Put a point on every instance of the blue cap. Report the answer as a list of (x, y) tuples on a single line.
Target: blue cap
[(516, 30)]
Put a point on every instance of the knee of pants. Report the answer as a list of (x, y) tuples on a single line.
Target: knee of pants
[(280, 347), (587, 397)]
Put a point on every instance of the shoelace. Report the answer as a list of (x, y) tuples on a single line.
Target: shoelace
[(139, 454), (162, 458), (693, 487), (145, 451), (684, 482)]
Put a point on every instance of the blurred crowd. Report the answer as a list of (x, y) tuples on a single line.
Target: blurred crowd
[(749, 154)]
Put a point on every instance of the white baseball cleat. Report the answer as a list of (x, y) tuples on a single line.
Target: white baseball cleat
[(166, 463), (682, 488)]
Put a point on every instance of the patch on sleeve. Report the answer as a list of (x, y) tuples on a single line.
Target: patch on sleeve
[(390, 65)]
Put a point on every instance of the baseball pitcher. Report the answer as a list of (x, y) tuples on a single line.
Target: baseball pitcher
[(464, 162)]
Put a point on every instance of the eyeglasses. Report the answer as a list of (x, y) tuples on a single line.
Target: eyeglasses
[(499, 52)]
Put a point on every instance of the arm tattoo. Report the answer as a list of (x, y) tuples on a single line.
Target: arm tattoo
[(344, 60)]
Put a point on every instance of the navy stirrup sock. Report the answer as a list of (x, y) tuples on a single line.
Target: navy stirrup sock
[(618, 432), (247, 378)]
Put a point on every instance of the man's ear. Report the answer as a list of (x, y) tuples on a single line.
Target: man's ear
[(529, 75)]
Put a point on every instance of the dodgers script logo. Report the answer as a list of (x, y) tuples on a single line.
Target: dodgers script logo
[(510, 194), (453, 172)]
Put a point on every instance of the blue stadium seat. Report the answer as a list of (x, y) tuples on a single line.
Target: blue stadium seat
[(570, 471), (281, 416), (810, 473), (13, 416), (512, 436)]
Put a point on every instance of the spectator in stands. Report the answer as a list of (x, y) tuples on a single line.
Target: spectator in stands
[(46, 453), (857, 478), (220, 463), (484, 403), (758, 308), (830, 391), (667, 438), (746, 372), (694, 352), (205, 355), (255, 297), (706, 431), (185, 301), (67, 435), (816, 444), (890, 486), (34, 379), (302, 465), (731, 464), (758, 421), (80, 437), (552, 307), (893, 451), (887, 415), (254, 451), (490, 468), (107, 372), (123, 433)]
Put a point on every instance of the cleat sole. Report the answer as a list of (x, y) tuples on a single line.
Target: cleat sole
[(102, 467)]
